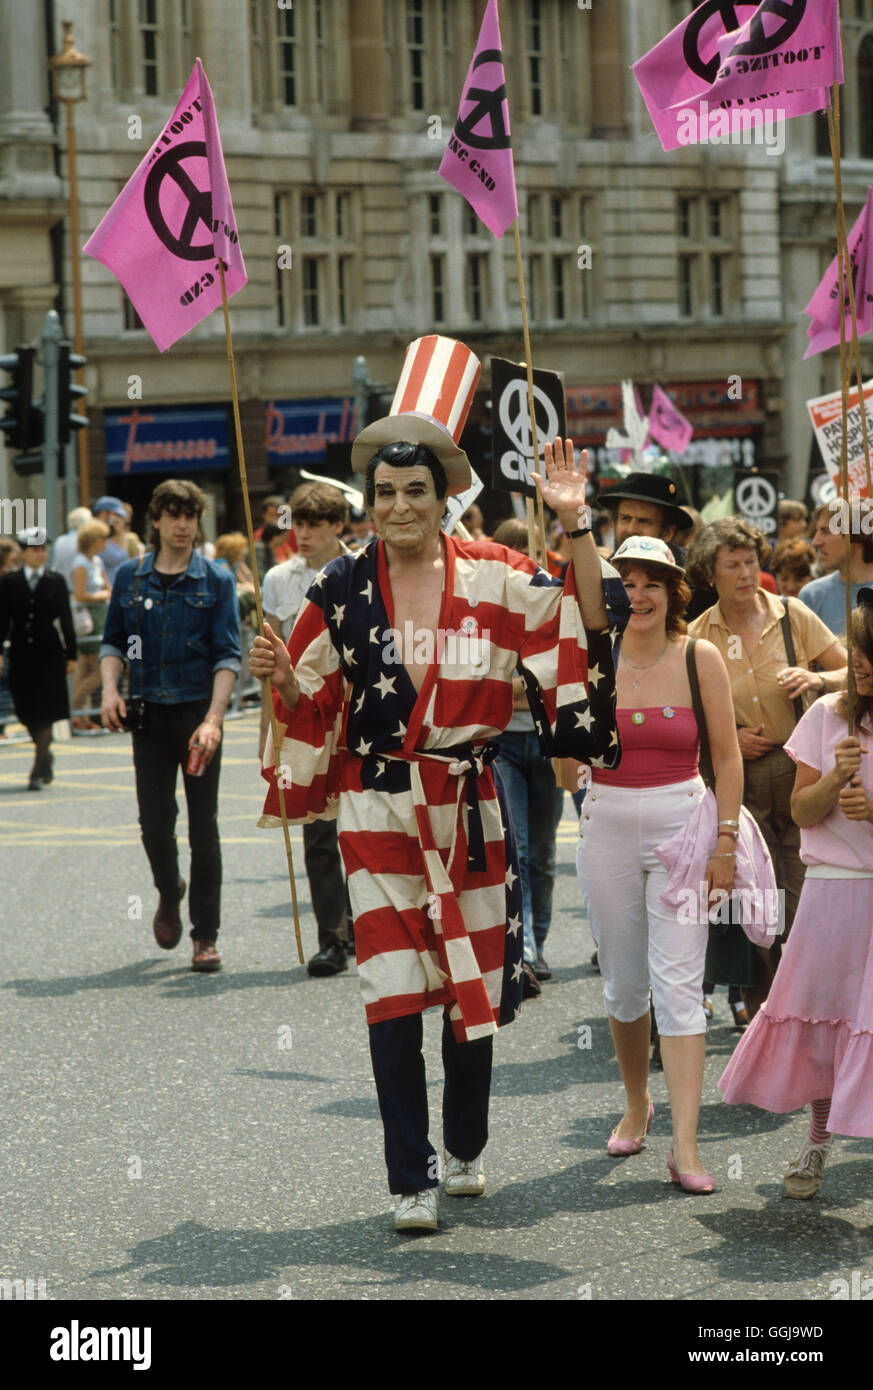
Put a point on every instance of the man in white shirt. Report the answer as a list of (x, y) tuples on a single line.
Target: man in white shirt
[(66, 547), (318, 514)]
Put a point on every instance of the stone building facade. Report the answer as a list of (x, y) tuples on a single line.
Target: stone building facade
[(333, 116)]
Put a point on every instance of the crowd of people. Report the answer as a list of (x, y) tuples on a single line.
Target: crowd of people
[(685, 682)]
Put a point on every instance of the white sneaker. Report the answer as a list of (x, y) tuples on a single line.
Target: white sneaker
[(464, 1179), (418, 1212), (803, 1176)]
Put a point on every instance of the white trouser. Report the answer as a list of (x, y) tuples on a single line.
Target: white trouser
[(640, 944)]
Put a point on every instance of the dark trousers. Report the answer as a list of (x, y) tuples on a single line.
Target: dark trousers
[(398, 1067), (327, 885), (158, 753)]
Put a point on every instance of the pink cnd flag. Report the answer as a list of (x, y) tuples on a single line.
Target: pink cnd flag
[(667, 425), (705, 83), (171, 221), (824, 307), (478, 159)]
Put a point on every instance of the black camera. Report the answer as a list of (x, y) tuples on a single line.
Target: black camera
[(134, 718)]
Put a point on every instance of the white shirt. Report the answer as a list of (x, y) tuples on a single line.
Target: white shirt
[(30, 574), (65, 550), (285, 586)]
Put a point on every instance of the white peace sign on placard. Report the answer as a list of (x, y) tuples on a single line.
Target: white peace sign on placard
[(514, 418), (755, 498)]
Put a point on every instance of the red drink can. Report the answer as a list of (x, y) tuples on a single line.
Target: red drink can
[(196, 767)]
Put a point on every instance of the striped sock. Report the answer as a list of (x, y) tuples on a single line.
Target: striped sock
[(818, 1129)]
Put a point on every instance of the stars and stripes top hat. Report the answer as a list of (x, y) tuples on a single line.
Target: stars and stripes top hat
[(430, 407)]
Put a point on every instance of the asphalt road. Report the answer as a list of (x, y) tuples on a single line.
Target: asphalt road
[(172, 1136)]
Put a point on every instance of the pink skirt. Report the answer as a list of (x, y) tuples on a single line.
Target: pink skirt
[(813, 1038)]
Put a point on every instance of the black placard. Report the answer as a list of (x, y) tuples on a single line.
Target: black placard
[(512, 448)]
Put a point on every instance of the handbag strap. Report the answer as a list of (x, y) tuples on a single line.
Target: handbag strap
[(788, 638), (704, 757)]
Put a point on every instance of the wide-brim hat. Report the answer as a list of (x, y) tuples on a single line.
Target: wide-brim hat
[(430, 407), (650, 487), (646, 550)]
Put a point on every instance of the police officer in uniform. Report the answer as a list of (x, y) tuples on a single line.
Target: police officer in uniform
[(33, 604)]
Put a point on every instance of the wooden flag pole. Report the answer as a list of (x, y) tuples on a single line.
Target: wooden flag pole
[(541, 531), (833, 130), (274, 727), (843, 267)]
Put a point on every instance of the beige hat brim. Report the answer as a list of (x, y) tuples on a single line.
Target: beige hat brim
[(414, 429)]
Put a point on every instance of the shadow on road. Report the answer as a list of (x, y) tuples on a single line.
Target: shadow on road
[(180, 981), (193, 1257)]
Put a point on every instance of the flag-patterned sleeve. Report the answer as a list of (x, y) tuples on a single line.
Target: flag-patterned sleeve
[(307, 759), (569, 673)]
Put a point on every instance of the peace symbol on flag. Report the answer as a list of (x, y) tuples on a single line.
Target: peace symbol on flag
[(762, 38), (195, 205)]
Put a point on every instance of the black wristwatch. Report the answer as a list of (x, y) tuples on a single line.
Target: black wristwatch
[(574, 535)]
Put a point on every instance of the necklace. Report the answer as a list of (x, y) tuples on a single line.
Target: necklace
[(636, 684)]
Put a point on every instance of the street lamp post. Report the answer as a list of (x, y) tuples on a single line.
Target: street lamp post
[(68, 86)]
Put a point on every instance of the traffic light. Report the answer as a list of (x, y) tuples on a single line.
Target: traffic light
[(68, 392), (18, 422)]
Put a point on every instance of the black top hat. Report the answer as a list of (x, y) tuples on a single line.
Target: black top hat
[(650, 487)]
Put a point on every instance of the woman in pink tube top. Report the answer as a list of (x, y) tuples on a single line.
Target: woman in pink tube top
[(812, 1041), (627, 814)]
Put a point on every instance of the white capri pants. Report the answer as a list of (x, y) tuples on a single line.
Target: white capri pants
[(640, 944)]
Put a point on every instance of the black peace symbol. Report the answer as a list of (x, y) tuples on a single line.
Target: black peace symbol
[(489, 105), (199, 203), (791, 12)]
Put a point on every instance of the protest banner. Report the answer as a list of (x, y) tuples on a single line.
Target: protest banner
[(825, 412)]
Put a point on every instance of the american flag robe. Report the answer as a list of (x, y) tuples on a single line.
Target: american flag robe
[(431, 869)]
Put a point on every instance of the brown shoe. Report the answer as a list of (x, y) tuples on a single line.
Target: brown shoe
[(167, 925), (205, 958)]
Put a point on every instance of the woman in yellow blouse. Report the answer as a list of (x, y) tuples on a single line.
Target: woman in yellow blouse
[(747, 625)]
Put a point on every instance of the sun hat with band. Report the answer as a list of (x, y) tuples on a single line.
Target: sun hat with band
[(430, 407), (647, 550)]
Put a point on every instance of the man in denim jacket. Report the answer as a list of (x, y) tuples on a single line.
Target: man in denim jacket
[(174, 616)]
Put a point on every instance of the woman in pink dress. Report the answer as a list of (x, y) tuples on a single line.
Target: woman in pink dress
[(812, 1041)]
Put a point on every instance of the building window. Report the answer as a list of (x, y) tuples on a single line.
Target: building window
[(865, 98), (311, 292), (148, 33), (561, 258), (422, 42), (317, 288), (705, 244), (476, 286), (435, 214), (289, 55), (151, 46), (415, 52), (131, 319), (534, 54), (686, 287), (437, 288), (114, 46)]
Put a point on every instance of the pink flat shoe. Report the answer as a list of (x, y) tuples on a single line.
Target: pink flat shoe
[(698, 1183), (623, 1148)]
